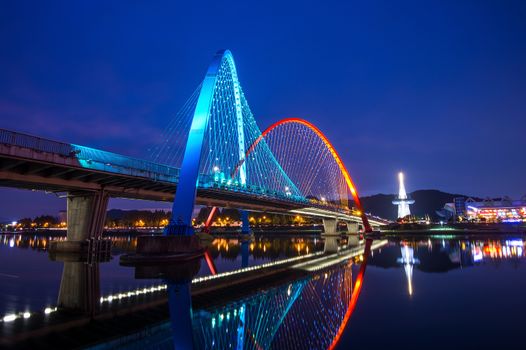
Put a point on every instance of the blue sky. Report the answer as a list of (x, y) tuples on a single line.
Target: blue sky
[(434, 88)]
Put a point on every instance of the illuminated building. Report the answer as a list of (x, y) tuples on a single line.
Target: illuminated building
[(497, 210), (497, 250), (460, 206), (492, 210)]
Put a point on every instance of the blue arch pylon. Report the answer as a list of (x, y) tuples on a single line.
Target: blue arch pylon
[(183, 205)]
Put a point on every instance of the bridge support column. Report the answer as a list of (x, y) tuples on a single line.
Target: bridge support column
[(353, 227), (330, 226), (86, 216), (353, 237), (331, 244), (331, 236), (79, 286)]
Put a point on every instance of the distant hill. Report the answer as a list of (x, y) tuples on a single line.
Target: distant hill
[(426, 202)]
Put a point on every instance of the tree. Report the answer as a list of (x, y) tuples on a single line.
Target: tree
[(25, 222), (45, 221)]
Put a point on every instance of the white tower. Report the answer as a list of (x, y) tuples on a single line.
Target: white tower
[(402, 200)]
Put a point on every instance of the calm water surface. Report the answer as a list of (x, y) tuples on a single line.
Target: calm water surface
[(30, 279), (430, 292)]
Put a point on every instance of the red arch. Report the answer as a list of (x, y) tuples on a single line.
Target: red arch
[(354, 295), (331, 149)]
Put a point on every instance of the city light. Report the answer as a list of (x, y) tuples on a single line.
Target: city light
[(9, 318), (49, 310)]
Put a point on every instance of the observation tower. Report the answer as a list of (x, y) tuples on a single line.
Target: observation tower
[(402, 200)]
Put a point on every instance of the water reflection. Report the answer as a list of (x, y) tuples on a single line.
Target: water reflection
[(305, 310), (408, 260), (25, 266), (301, 314), (34, 242), (225, 248), (304, 307), (443, 255), (79, 286), (470, 250)]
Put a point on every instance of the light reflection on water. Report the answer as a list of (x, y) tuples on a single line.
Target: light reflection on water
[(429, 288), (25, 266)]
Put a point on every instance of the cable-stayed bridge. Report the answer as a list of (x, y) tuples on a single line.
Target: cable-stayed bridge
[(212, 153)]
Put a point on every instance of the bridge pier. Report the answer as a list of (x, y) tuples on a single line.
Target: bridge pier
[(86, 215), (331, 244), (79, 286), (353, 227), (331, 235), (353, 236), (330, 226)]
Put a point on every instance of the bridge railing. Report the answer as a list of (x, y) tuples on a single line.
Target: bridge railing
[(209, 181), (107, 161), (92, 158), (36, 143)]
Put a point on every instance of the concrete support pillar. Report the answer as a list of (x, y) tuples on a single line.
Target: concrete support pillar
[(353, 240), (331, 236), (79, 286), (331, 244), (86, 215), (245, 223), (353, 227), (330, 226)]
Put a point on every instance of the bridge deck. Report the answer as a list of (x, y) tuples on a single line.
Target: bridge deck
[(40, 164)]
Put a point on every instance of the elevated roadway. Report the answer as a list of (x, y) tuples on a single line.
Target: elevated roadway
[(36, 163)]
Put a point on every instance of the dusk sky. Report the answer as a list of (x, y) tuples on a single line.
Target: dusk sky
[(434, 88)]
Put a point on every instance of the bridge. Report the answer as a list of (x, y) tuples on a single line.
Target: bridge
[(212, 153)]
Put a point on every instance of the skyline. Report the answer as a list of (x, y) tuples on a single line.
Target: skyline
[(378, 81)]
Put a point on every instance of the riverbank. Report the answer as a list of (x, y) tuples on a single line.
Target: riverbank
[(455, 228)]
